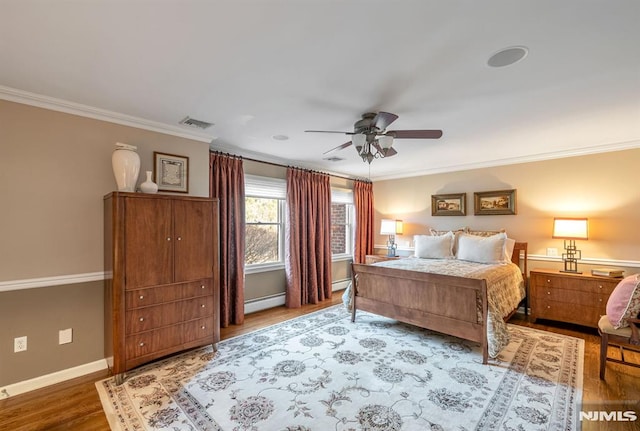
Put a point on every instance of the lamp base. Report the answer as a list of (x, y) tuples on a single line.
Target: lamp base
[(570, 272)]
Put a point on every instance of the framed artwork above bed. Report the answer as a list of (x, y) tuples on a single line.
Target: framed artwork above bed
[(454, 204), (499, 202)]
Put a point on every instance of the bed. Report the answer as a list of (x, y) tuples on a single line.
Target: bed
[(426, 292)]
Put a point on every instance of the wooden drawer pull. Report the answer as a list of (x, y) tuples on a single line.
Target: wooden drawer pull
[(142, 319), (141, 344), (203, 327), (202, 306), (141, 296)]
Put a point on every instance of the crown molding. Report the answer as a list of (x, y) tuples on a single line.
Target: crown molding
[(46, 102), (596, 149)]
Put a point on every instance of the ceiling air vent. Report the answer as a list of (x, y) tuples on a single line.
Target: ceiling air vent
[(334, 159), (198, 124)]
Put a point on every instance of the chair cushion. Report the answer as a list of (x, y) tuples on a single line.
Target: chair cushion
[(624, 301), (605, 326)]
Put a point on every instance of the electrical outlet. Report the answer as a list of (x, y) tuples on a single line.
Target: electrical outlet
[(552, 251), (65, 336), (19, 344)]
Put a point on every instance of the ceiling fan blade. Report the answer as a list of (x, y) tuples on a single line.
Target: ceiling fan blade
[(415, 134), (328, 131), (383, 119), (338, 148), (390, 152)]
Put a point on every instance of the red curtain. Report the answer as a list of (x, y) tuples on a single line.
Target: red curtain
[(227, 184), (308, 238), (363, 203)]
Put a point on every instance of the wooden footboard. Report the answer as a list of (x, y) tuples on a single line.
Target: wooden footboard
[(452, 305)]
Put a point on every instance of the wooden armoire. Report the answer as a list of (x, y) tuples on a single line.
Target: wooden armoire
[(162, 290)]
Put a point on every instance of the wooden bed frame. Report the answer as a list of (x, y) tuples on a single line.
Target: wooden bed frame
[(442, 303)]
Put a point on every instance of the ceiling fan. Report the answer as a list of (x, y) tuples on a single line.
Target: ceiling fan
[(371, 138)]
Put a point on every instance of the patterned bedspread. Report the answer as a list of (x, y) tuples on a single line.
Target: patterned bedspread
[(505, 289)]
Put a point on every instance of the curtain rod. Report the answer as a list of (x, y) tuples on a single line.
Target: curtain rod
[(287, 166)]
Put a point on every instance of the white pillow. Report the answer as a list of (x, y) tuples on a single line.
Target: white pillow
[(434, 247), (490, 249), (508, 249)]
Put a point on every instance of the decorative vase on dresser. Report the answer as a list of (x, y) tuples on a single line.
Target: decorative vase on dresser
[(569, 297), (126, 167), (149, 186), (162, 294)]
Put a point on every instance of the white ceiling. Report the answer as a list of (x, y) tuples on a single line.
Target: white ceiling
[(259, 68)]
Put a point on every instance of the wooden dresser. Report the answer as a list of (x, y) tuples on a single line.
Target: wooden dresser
[(162, 294), (567, 297)]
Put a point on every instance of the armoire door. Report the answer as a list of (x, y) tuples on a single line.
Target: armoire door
[(148, 242), (193, 230)]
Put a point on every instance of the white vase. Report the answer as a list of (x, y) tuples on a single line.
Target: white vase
[(149, 186), (126, 167)]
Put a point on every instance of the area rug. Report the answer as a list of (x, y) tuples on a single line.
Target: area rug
[(323, 372)]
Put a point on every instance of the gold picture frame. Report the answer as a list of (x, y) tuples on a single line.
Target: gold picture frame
[(171, 172), (498, 202), (453, 204)]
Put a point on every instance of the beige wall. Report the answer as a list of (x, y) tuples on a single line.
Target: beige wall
[(602, 187), (55, 169)]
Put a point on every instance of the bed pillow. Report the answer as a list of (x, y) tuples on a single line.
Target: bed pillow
[(489, 249), (434, 246), (456, 234), (624, 301), (508, 249)]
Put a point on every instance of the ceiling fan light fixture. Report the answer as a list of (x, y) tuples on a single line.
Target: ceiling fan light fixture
[(359, 141), (385, 141)]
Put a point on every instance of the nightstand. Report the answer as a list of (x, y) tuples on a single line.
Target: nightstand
[(568, 297), (373, 258)]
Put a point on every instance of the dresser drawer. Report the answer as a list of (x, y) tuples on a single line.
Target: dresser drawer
[(152, 295), (146, 318), (198, 288), (149, 342), (569, 297), (561, 311), (197, 307), (197, 329), (544, 280)]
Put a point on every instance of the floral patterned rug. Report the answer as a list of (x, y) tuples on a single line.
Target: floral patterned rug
[(323, 372)]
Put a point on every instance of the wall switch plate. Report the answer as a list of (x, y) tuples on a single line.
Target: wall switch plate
[(65, 336), (19, 344), (552, 251)]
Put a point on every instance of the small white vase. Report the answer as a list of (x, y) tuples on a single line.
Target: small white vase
[(149, 186), (126, 167)]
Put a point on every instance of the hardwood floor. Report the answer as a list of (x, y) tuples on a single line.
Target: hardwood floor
[(75, 405)]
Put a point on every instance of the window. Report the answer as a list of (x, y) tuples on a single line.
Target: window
[(342, 231), (264, 221)]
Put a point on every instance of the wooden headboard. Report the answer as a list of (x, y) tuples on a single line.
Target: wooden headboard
[(520, 256)]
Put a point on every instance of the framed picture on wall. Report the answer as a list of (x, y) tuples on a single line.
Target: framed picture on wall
[(499, 202), (171, 172), (449, 205)]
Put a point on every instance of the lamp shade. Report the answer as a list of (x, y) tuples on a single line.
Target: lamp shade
[(391, 227), (358, 141), (385, 141), (570, 228)]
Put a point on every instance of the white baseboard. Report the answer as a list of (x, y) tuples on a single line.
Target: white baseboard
[(278, 300), (51, 379)]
